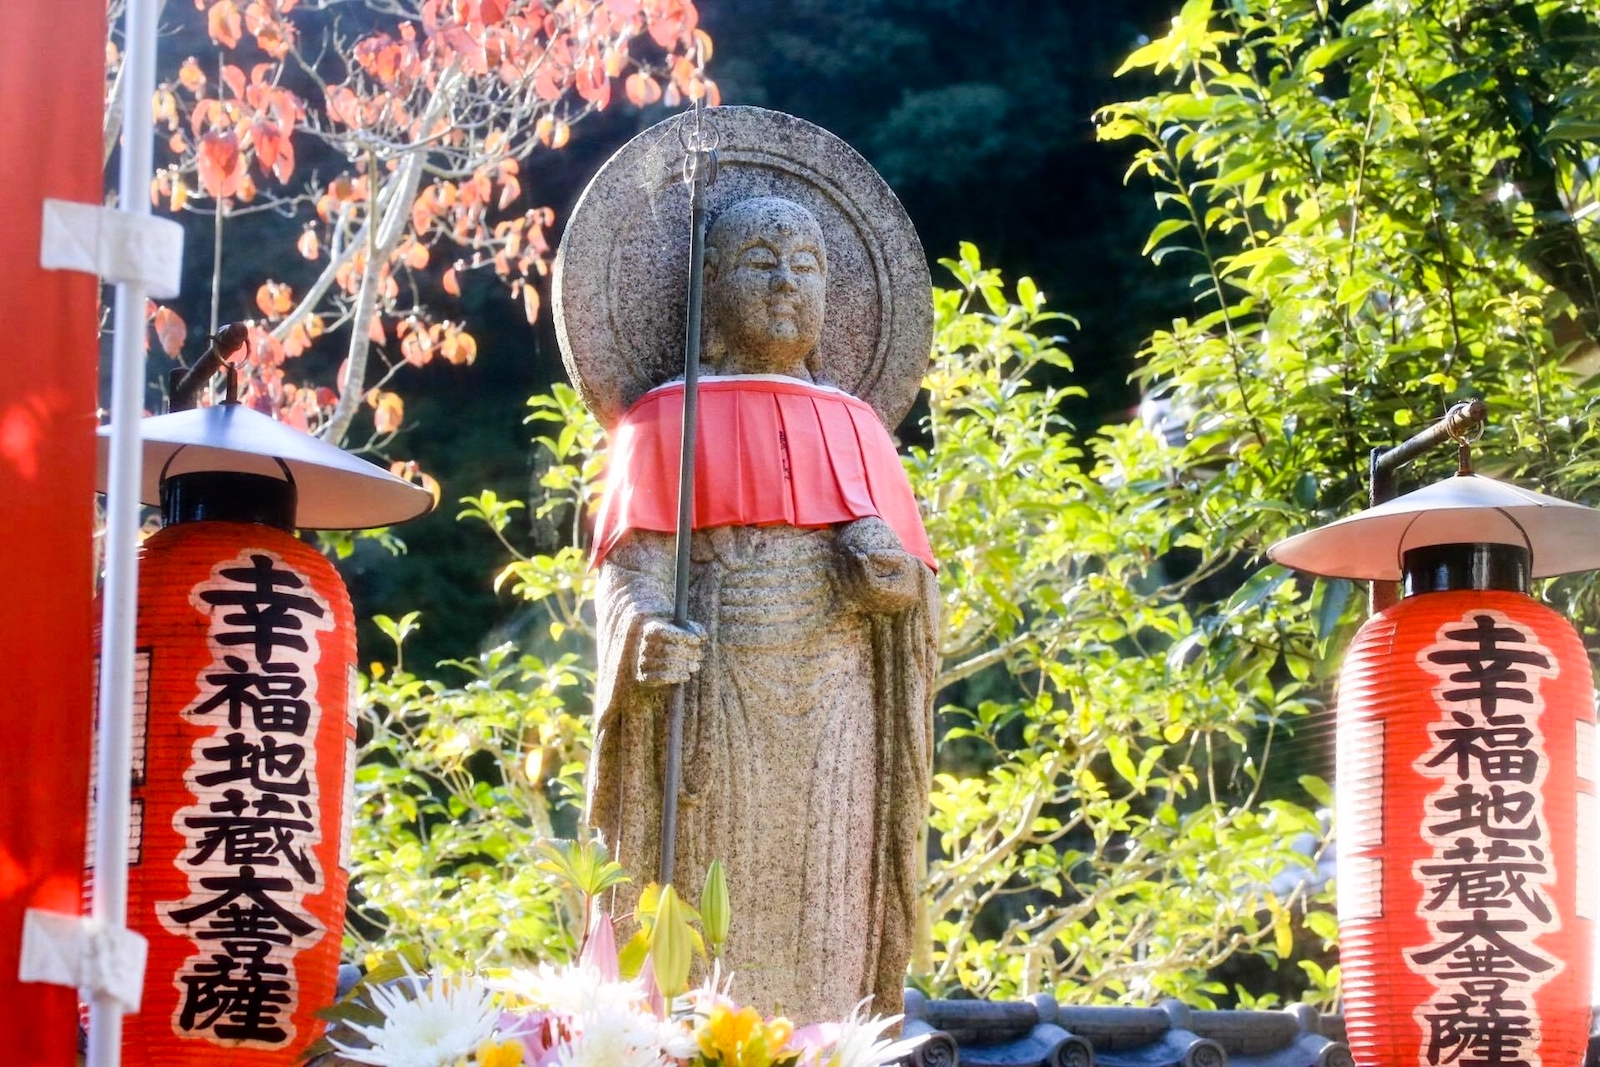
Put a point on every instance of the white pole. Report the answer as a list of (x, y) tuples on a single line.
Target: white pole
[(121, 593)]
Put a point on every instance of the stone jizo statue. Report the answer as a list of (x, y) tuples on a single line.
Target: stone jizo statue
[(809, 666)]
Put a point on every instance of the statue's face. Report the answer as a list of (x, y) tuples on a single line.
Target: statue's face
[(765, 283)]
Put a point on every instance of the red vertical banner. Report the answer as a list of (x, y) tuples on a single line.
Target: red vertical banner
[(52, 80)]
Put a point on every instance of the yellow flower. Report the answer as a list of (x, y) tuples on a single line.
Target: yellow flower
[(508, 1054), (741, 1039)]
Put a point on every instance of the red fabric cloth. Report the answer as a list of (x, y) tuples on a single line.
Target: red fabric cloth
[(52, 79), (767, 451)]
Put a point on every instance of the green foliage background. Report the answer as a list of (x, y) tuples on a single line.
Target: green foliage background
[(1386, 207)]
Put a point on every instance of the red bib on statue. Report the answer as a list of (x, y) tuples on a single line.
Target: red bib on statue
[(768, 451)]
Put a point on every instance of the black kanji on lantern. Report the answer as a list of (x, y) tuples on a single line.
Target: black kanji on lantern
[(252, 830), (1482, 897), (1489, 670), (268, 616), (272, 696), (238, 993)]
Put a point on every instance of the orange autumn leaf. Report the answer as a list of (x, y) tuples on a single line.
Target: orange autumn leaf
[(642, 89), (224, 24), (422, 211), (417, 348), (593, 85), (221, 165), (344, 106), (459, 348), (191, 77), (416, 256), (530, 302), (233, 77), (388, 411), (267, 139), (170, 330), (308, 244), (176, 144), (452, 284), (408, 470), (510, 189), (550, 81), (703, 87), (375, 332), (275, 300), (297, 341), (283, 166)]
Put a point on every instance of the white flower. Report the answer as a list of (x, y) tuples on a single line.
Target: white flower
[(860, 1041), (676, 1040), (574, 990), (613, 1038), (437, 1024)]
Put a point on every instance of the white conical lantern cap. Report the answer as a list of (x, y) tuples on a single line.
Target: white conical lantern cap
[(336, 490), (1467, 509)]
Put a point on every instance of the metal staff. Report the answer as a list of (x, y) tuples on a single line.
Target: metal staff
[(119, 602), (699, 171)]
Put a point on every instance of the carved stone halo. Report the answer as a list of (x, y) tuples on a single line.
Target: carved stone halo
[(621, 275)]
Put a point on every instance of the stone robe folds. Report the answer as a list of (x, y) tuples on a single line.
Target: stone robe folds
[(807, 732)]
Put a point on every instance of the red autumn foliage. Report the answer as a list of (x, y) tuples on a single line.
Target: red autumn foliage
[(170, 329), (432, 113)]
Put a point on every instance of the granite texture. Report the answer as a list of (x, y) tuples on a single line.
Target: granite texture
[(621, 274), (809, 673)]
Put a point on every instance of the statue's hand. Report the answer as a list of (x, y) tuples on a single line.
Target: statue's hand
[(667, 654), (879, 575)]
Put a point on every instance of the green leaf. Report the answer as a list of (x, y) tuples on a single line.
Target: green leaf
[(1328, 602), (1320, 791), (1325, 54), (631, 957), (1164, 229), (1570, 128), (583, 865)]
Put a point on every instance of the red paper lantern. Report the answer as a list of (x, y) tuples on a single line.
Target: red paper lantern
[(244, 741), (1466, 806), (243, 752), (1466, 779)]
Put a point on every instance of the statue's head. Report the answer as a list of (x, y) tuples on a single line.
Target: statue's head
[(766, 274)]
